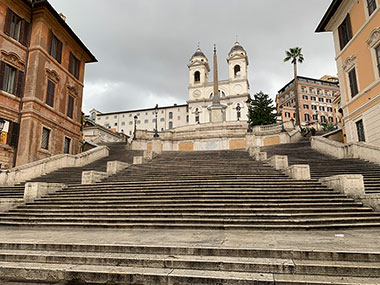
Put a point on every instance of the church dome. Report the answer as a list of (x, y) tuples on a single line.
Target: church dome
[(236, 48)]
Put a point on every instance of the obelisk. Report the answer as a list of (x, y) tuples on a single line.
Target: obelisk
[(216, 109)]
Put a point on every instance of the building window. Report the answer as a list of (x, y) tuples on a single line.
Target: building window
[(331, 119), (303, 89), (170, 115), (50, 94), (130, 123), (311, 90), (307, 117), (321, 108), (16, 28), (360, 129), (313, 98), (313, 107), (187, 118), (146, 121), (55, 48), (323, 119), (9, 80), (123, 123), (371, 6), (353, 82), (45, 138), (74, 66), (287, 115), (319, 92), (115, 124), (306, 106), (197, 76), (328, 100), (327, 93), (138, 122), (345, 32), (320, 100), (170, 125), (66, 147), (329, 109), (162, 120), (315, 117), (70, 106), (377, 50), (305, 97)]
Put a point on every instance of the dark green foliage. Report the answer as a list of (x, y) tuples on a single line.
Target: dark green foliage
[(262, 110)]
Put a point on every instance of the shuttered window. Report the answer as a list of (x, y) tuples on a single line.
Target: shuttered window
[(66, 147), (371, 6), (11, 79), (55, 48), (353, 82), (360, 130), (70, 106), (74, 66), (50, 93), (378, 58), (16, 27), (45, 138), (345, 32)]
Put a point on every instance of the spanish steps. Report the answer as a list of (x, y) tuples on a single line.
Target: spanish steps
[(196, 190), (221, 204), (322, 165)]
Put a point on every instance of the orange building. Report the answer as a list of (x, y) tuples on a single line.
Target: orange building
[(315, 97), (356, 29), (42, 64)]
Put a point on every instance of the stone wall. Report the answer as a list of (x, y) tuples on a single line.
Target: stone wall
[(6, 157)]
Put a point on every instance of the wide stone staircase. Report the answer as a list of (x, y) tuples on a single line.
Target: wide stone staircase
[(197, 190), (129, 264), (187, 193), (322, 165)]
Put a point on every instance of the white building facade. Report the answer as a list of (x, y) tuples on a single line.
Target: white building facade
[(233, 92)]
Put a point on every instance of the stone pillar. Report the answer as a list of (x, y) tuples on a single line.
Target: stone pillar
[(260, 156), (138, 159), (156, 146), (114, 167), (91, 177), (350, 184), (250, 140), (279, 162), (299, 172), (253, 150), (35, 190)]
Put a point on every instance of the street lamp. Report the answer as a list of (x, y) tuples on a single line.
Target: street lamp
[(282, 120), (156, 130), (134, 133), (248, 102)]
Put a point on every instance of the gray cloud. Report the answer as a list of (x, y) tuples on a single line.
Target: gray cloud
[(143, 46)]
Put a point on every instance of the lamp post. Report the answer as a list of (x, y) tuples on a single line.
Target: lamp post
[(156, 129), (282, 120), (134, 133), (248, 102)]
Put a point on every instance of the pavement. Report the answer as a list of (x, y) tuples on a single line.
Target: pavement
[(358, 240)]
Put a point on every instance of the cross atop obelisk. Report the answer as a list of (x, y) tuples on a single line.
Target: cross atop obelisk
[(216, 97)]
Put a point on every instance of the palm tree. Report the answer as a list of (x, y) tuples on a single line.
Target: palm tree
[(295, 54)]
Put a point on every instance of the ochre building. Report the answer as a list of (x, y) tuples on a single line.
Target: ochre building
[(42, 65), (315, 97), (356, 29)]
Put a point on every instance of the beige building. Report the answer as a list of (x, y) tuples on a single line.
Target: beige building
[(315, 97), (356, 31), (98, 134), (233, 94)]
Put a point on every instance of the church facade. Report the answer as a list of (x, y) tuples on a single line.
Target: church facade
[(233, 94)]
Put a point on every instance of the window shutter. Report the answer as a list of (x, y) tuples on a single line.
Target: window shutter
[(71, 63), (77, 69), (24, 39), (50, 93), (340, 33), (349, 27), (51, 36), (8, 22), (2, 71), (70, 106), (59, 51), (19, 84)]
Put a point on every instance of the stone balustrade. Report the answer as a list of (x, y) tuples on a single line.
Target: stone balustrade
[(38, 168)]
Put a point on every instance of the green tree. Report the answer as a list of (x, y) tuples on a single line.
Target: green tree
[(295, 55), (262, 110)]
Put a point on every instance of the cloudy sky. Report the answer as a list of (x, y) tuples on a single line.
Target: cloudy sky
[(144, 46)]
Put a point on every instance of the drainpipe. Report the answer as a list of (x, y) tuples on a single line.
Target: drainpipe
[(23, 84)]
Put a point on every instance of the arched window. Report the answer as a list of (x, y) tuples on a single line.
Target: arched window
[(170, 115), (170, 125), (237, 71), (197, 76), (93, 116), (220, 94), (197, 115)]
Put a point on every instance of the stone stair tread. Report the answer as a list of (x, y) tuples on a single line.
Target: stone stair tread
[(321, 279)]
